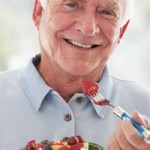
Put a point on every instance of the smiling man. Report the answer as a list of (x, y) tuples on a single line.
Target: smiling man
[(76, 39)]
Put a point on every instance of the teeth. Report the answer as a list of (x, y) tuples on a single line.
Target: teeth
[(80, 44)]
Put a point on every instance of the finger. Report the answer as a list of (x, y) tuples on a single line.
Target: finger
[(144, 120), (113, 144), (122, 140), (138, 117), (131, 135)]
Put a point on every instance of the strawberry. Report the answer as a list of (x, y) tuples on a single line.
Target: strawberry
[(31, 145), (72, 141), (65, 147), (88, 87), (40, 147), (77, 146), (79, 138)]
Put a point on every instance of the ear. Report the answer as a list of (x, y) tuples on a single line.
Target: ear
[(123, 29), (37, 13)]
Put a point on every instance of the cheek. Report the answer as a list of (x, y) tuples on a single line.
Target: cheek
[(48, 33), (55, 28), (111, 31), (112, 35), (60, 22)]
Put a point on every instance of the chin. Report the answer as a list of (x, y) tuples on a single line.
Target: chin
[(78, 68), (78, 71)]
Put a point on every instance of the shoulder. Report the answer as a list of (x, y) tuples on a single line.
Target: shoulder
[(129, 85), (8, 79), (9, 74), (131, 95)]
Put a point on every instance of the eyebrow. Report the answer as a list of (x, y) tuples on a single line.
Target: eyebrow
[(112, 6)]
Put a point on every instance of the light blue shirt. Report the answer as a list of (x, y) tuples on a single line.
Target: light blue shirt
[(30, 109)]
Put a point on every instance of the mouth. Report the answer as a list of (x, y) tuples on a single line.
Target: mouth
[(81, 45)]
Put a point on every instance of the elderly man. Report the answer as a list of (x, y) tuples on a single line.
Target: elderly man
[(44, 100)]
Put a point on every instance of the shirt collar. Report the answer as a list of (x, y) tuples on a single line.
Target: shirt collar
[(33, 85), (36, 89)]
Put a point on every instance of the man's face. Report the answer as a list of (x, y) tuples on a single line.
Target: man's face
[(78, 36)]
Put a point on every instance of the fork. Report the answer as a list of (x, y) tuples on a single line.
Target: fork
[(98, 99)]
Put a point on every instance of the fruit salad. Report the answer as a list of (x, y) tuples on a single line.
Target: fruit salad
[(71, 143)]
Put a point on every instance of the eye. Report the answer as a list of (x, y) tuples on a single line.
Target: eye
[(108, 14), (71, 4)]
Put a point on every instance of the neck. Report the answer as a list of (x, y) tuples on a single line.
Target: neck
[(62, 82)]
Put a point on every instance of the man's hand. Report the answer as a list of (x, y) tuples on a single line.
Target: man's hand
[(125, 137)]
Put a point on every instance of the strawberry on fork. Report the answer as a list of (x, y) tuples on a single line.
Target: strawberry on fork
[(91, 90)]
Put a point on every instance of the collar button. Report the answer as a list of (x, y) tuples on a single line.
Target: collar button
[(79, 100)]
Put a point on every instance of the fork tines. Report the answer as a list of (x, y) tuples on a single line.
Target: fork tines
[(95, 96)]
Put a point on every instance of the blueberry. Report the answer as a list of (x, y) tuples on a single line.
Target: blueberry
[(95, 148), (47, 147), (44, 142)]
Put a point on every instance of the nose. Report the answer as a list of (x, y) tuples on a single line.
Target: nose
[(87, 25)]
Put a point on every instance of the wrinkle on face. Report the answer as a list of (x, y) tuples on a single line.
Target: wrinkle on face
[(115, 7), (59, 24)]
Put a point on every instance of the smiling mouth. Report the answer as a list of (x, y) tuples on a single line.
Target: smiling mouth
[(80, 45)]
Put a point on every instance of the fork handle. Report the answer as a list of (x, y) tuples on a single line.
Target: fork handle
[(142, 131)]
